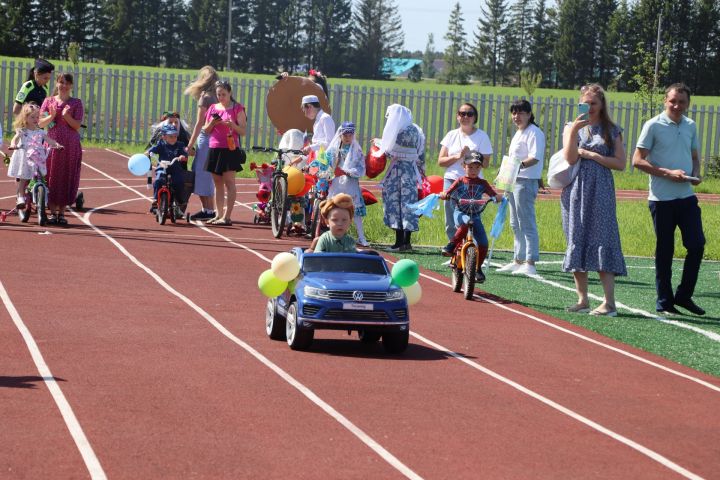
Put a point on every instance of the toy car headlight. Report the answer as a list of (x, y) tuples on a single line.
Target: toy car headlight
[(395, 294), (313, 292)]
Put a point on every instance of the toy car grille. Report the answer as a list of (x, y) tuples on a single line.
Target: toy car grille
[(310, 309), (348, 295), (355, 315)]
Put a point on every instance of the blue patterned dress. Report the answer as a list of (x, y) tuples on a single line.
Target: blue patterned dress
[(400, 186), (589, 216)]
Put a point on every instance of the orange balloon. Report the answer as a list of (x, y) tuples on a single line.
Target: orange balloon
[(295, 179)]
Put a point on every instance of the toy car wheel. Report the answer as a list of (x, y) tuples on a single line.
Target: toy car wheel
[(297, 337), (368, 337), (457, 279), (395, 342), (255, 219), (469, 273), (274, 323)]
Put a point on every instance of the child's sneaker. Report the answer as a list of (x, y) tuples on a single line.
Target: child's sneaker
[(447, 250), (153, 207)]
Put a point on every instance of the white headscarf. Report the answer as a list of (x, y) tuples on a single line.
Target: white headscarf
[(354, 156), (398, 118)]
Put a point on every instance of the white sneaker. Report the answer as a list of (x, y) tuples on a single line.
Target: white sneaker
[(526, 269), (509, 268), (446, 264)]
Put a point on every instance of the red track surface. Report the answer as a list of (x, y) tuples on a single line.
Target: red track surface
[(163, 390)]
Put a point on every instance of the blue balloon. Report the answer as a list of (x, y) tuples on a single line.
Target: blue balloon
[(139, 164)]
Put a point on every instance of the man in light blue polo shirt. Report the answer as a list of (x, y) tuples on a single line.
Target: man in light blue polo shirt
[(668, 150)]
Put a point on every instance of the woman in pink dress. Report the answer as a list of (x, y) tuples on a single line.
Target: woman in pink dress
[(63, 114)]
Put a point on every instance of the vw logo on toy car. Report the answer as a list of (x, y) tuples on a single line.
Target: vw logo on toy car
[(357, 296)]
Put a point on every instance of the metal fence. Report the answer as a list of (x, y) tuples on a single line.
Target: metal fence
[(121, 104)]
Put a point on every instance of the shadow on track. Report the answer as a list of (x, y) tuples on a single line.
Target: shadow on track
[(24, 382), (352, 347)]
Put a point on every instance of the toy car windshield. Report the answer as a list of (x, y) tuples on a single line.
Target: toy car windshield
[(361, 264)]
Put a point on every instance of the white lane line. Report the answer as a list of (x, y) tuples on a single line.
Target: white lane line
[(620, 438), (664, 461), (73, 425), (583, 337), (307, 392)]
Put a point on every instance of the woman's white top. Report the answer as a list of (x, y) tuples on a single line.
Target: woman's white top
[(323, 131), (456, 140), (529, 143)]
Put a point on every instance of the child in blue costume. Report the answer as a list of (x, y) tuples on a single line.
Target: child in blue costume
[(469, 187), (168, 149)]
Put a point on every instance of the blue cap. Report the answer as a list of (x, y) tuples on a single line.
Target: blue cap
[(169, 129), (347, 127)]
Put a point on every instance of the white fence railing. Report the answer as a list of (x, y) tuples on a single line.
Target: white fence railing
[(121, 104)]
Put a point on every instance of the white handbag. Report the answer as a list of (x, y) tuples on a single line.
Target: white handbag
[(560, 172)]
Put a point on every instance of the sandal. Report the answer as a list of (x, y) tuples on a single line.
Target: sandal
[(212, 221), (223, 222), (578, 308)]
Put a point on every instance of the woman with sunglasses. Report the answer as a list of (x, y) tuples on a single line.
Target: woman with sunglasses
[(225, 122), (454, 147)]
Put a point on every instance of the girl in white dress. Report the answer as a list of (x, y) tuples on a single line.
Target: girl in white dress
[(346, 158)]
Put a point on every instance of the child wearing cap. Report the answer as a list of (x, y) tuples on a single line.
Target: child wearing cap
[(470, 187), (347, 160), (324, 126), (338, 212), (168, 149)]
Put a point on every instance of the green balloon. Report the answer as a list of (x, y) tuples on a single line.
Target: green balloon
[(405, 272), (270, 285)]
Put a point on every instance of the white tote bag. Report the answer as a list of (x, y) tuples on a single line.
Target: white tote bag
[(560, 172)]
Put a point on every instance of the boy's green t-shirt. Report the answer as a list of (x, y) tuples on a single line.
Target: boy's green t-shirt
[(329, 244)]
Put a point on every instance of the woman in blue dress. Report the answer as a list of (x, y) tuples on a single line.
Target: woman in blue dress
[(403, 142), (588, 204)]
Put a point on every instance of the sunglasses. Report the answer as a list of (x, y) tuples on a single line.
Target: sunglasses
[(466, 114), (223, 84)]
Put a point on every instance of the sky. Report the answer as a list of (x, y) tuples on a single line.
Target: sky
[(421, 17)]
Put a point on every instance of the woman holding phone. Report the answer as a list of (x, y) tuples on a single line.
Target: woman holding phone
[(589, 215), (225, 122)]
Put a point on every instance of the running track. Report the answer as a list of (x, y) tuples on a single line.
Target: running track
[(133, 350)]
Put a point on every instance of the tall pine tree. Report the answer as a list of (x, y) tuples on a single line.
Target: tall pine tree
[(541, 42), (428, 65), (456, 70), (377, 33), (487, 51)]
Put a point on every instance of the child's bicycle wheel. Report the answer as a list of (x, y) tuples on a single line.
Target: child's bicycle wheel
[(40, 194), (457, 278), (470, 267), (163, 207), (279, 205)]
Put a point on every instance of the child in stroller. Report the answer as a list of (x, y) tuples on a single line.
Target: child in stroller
[(264, 177), (167, 150)]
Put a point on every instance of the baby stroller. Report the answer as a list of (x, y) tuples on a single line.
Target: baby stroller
[(264, 177)]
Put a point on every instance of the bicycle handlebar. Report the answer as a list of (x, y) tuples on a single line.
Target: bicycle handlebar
[(276, 150)]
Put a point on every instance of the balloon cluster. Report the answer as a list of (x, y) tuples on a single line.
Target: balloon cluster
[(283, 270), (405, 274)]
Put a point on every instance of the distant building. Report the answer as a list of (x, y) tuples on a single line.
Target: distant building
[(399, 67)]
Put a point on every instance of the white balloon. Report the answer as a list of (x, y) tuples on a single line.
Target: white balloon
[(413, 293), (285, 266)]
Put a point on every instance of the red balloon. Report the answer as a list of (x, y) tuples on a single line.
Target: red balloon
[(309, 182), (436, 183), (368, 197), (374, 166)]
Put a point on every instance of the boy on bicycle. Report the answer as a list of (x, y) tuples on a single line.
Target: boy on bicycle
[(469, 187), (168, 149)]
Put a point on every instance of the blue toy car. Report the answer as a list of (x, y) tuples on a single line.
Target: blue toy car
[(340, 291)]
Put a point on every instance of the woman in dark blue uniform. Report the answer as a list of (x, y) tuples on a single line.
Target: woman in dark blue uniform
[(35, 89)]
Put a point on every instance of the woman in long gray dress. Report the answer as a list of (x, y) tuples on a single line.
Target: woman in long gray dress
[(404, 144), (588, 204), (202, 90)]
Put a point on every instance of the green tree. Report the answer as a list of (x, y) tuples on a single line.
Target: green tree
[(575, 47), (333, 30), (48, 33), (377, 34), (704, 45), (428, 65), (517, 38), (16, 36), (541, 41), (604, 48), (622, 37), (487, 52), (415, 73), (456, 70), (207, 35)]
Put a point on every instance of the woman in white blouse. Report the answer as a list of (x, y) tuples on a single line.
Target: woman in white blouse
[(528, 146), (324, 126), (453, 148)]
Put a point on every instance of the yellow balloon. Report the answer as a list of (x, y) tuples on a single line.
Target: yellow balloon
[(413, 293), (296, 180), (269, 285), (285, 266)]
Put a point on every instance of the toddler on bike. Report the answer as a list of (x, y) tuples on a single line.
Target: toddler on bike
[(469, 187), (29, 149), (338, 212), (169, 149)]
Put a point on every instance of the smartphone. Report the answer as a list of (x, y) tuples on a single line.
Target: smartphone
[(584, 110), (216, 116)]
